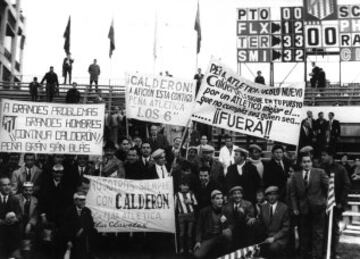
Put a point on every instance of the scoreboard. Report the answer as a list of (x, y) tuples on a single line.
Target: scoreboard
[(286, 37)]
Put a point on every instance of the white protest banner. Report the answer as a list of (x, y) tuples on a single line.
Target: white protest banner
[(120, 205), (51, 128), (229, 101), (159, 99)]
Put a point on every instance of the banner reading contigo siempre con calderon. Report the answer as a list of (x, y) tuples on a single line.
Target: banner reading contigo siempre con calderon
[(159, 99), (51, 128), (232, 102), (120, 205)]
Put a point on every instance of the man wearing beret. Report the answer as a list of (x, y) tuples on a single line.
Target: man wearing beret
[(216, 168), (212, 232), (243, 174), (276, 171), (78, 228), (274, 219), (10, 218), (158, 170), (240, 216), (308, 193)]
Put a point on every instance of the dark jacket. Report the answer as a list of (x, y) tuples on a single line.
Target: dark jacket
[(51, 78), (279, 225), (203, 194), (134, 171), (275, 175), (311, 198), (216, 171), (342, 182), (335, 131), (206, 223), (159, 142), (249, 180), (73, 96)]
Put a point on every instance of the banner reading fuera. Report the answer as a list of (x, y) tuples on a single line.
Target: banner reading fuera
[(231, 102)]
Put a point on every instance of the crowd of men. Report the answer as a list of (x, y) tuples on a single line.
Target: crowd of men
[(222, 204)]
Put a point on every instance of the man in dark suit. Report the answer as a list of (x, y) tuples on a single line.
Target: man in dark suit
[(307, 136), (240, 215), (321, 132), (216, 168), (314, 75), (145, 160), (67, 67), (308, 193), (244, 174), (274, 219), (334, 131), (276, 171), (52, 84), (342, 187), (157, 140), (212, 231), (78, 228), (73, 95), (80, 168), (204, 188), (158, 170), (133, 165), (10, 219)]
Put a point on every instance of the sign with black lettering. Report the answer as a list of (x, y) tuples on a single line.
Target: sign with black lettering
[(159, 99), (121, 205), (231, 102), (51, 128)]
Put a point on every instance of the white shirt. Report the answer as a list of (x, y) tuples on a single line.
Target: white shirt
[(81, 170), (161, 170), (239, 168), (2, 198), (273, 207), (145, 159), (226, 157)]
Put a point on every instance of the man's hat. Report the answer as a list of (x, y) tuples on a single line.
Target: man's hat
[(306, 149), (58, 167), (28, 184), (214, 193), (271, 189), (236, 188), (207, 148), (242, 150), (157, 153), (255, 146), (192, 148), (79, 195)]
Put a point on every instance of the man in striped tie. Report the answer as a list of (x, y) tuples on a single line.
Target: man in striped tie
[(338, 192)]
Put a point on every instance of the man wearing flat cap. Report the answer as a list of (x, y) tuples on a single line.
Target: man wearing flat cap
[(158, 170), (78, 228), (216, 168), (243, 174), (212, 231), (274, 220), (240, 215), (112, 166), (55, 196)]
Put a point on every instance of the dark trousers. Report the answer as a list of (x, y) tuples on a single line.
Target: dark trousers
[(10, 239), (66, 73), (311, 233), (186, 227), (214, 247), (34, 96), (50, 92), (93, 80)]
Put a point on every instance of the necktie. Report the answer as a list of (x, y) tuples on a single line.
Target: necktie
[(163, 173), (146, 163), (271, 212), (82, 169), (306, 180), (28, 175), (27, 208)]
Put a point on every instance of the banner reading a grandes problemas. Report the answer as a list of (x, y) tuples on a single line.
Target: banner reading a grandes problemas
[(51, 128), (120, 205), (229, 101)]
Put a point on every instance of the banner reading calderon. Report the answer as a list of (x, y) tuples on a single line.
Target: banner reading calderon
[(159, 99), (232, 102), (51, 128), (120, 205)]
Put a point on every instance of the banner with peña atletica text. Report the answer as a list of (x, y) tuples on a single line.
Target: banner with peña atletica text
[(159, 99), (121, 205), (51, 128), (229, 101)]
